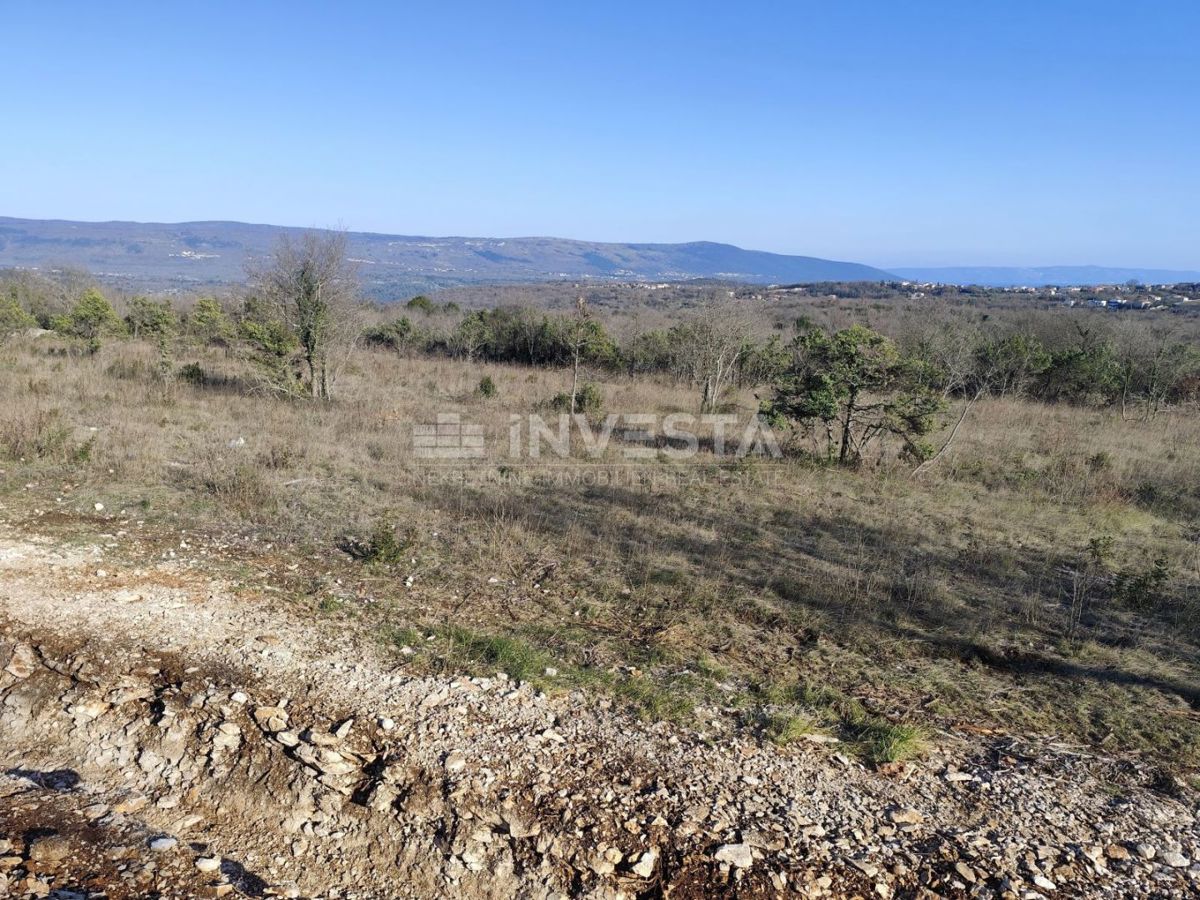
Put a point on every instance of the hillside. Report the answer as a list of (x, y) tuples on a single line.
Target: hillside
[(149, 256)]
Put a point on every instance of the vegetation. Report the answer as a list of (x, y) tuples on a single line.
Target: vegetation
[(855, 387), (1041, 579), (91, 318)]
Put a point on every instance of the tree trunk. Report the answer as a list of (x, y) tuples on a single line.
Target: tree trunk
[(950, 440), (312, 374), (845, 450), (575, 383)]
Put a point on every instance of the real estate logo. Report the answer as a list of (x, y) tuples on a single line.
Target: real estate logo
[(626, 437), (448, 438)]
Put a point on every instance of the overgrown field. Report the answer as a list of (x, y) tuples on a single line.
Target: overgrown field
[(1043, 577)]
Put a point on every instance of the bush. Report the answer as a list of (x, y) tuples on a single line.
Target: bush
[(13, 317), (589, 400), (487, 387), (382, 547), (91, 318), (396, 335), (208, 323), (1143, 589), (193, 373), (147, 318)]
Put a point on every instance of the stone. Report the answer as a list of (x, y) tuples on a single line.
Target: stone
[(23, 662), (644, 867), (1044, 883), (1175, 860), (1145, 851), (965, 872), (271, 718), (520, 826), (456, 762), (868, 869), (163, 844), (387, 724), (50, 849), (1116, 851), (601, 866), (130, 804), (739, 856), (906, 816), (208, 863)]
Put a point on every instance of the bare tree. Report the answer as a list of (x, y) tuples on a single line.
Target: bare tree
[(713, 344), (312, 289)]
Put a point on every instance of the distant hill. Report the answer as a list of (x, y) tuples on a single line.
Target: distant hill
[(1006, 276), (148, 256)]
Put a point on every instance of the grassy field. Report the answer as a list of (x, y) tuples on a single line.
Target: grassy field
[(1042, 578)]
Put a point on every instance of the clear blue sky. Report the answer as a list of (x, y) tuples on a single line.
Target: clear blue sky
[(892, 133)]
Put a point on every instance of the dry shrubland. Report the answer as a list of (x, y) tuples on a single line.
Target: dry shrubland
[(1042, 577)]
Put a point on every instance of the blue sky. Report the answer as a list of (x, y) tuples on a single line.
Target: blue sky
[(915, 133)]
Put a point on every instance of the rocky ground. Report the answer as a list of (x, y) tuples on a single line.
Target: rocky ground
[(164, 736)]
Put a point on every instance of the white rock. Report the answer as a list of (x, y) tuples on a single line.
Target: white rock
[(386, 724), (644, 867), (163, 844), (208, 863), (737, 855), (1175, 860)]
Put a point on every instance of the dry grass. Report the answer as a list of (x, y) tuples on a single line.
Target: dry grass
[(905, 605)]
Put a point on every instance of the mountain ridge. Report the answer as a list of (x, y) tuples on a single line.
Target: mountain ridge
[(154, 255)]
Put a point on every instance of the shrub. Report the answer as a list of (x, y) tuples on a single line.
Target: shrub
[(396, 335), (193, 373), (208, 323), (91, 318), (382, 547), (589, 400), (13, 317), (147, 317), (487, 387), (1143, 589)]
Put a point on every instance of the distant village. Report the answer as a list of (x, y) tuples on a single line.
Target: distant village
[(1156, 297)]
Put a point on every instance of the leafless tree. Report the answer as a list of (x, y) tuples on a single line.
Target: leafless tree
[(312, 289), (714, 341)]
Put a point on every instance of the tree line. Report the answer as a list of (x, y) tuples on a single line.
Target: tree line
[(842, 390)]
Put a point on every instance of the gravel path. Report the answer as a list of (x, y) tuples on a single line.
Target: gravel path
[(160, 735)]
